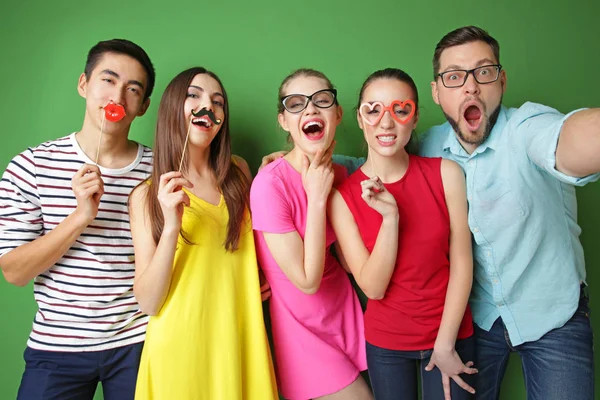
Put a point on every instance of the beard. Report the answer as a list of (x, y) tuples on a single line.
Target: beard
[(479, 138)]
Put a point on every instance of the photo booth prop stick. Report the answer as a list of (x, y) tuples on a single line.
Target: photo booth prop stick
[(196, 116), (113, 113)]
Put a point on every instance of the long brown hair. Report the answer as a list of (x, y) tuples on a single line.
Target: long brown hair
[(171, 131)]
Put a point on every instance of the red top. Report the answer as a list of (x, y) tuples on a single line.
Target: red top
[(409, 315)]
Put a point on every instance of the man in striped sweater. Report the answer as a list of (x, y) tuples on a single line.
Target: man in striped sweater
[(64, 223)]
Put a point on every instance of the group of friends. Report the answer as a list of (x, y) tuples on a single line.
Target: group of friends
[(150, 266)]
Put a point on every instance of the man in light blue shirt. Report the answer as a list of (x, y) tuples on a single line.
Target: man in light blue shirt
[(521, 166)]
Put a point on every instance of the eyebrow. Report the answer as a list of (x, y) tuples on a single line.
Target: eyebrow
[(131, 81), (485, 61), (202, 90)]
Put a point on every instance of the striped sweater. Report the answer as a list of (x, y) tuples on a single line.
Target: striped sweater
[(85, 301)]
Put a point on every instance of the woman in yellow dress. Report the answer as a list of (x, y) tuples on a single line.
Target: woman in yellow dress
[(196, 273)]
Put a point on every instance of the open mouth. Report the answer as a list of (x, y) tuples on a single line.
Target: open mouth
[(203, 122), (314, 129), (386, 139), (473, 117)]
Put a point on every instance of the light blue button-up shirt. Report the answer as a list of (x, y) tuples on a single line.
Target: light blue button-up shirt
[(523, 216)]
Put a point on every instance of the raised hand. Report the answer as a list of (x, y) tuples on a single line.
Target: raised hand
[(378, 198), (317, 177), (172, 199), (88, 188)]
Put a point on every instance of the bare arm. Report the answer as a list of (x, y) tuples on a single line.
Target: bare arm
[(154, 261), (27, 261), (461, 256), (579, 144), (303, 261), (371, 271), (340, 256), (459, 285)]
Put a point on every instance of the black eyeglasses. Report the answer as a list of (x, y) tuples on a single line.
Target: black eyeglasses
[(296, 103), (458, 77)]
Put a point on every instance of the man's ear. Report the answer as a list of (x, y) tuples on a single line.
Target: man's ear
[(82, 85), (144, 107), (282, 122), (503, 80), (435, 93)]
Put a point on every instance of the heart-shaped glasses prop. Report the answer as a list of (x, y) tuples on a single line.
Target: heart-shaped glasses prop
[(401, 111), (372, 113), (113, 113), (202, 112)]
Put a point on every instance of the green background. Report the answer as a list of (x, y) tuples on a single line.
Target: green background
[(549, 50)]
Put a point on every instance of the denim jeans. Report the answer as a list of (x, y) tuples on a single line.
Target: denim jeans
[(74, 376), (558, 366), (393, 373)]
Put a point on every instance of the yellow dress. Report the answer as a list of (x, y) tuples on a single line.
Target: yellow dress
[(209, 341)]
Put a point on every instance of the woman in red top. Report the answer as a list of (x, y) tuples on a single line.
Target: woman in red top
[(401, 222)]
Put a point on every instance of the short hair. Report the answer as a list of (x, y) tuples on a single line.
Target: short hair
[(126, 47), (457, 37)]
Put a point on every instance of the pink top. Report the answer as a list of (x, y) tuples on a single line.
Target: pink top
[(319, 339)]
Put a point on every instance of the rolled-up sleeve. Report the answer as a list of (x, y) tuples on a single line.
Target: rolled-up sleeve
[(540, 127)]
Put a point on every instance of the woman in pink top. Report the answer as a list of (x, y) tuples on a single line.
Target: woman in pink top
[(316, 317)]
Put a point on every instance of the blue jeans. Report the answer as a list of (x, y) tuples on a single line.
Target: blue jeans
[(393, 373), (75, 376), (558, 366)]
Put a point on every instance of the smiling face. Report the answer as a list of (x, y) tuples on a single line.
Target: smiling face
[(387, 132), (117, 80), (313, 128), (204, 92), (473, 108)]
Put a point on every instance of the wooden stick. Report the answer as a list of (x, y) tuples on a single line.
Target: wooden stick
[(185, 145), (100, 138)]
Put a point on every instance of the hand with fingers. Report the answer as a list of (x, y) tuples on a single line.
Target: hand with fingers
[(378, 198), (451, 366), (317, 177), (172, 198), (88, 188), (265, 288), (269, 158), (326, 157)]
